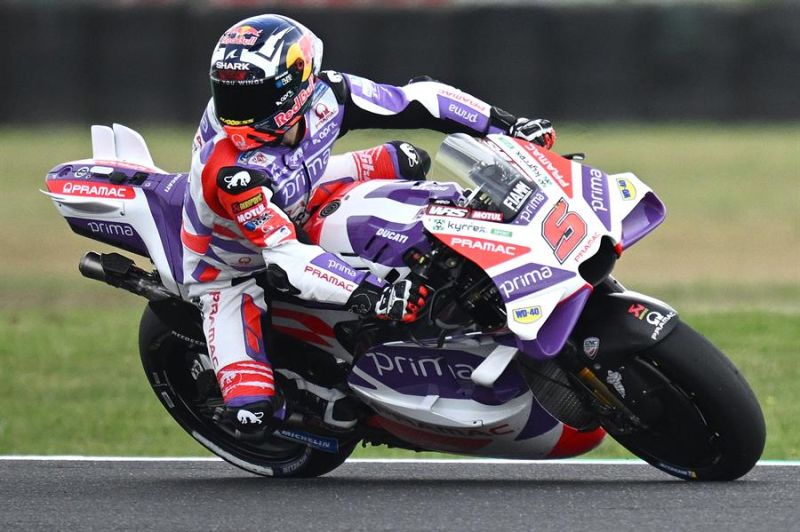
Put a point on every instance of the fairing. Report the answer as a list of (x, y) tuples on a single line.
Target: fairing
[(121, 198), (559, 212), (467, 395)]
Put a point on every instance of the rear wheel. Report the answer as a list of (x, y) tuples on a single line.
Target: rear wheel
[(173, 365), (702, 420)]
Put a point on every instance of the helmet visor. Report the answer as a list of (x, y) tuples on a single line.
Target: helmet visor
[(243, 103)]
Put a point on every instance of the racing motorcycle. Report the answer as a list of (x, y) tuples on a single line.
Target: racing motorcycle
[(529, 348)]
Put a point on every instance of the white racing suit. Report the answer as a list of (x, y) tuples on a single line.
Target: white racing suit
[(241, 208)]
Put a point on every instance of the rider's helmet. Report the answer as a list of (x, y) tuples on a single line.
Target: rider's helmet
[(263, 71)]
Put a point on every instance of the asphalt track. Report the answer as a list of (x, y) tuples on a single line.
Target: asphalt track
[(201, 495)]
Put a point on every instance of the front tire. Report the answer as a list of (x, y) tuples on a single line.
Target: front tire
[(704, 422), (169, 360)]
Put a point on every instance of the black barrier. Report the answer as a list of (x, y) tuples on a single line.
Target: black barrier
[(91, 63)]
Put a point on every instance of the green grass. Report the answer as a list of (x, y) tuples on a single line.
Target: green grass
[(727, 258), (72, 383)]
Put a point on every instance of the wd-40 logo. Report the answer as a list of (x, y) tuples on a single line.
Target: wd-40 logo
[(626, 189), (527, 315)]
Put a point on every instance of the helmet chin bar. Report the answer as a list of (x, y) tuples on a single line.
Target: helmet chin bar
[(247, 138)]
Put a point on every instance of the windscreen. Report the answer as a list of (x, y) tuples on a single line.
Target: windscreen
[(475, 165)]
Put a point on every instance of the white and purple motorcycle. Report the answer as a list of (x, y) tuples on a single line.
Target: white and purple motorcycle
[(528, 349)]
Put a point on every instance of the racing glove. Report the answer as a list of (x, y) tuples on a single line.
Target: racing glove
[(539, 131), (401, 301)]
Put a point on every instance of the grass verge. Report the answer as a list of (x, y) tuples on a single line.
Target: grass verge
[(72, 383)]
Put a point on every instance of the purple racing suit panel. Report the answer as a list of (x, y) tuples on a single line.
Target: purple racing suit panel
[(422, 104), (208, 129)]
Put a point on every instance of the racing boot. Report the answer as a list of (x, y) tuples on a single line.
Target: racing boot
[(252, 406), (331, 406)]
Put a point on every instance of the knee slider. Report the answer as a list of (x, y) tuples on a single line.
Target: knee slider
[(414, 163)]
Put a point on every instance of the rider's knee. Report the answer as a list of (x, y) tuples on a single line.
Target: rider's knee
[(412, 162)]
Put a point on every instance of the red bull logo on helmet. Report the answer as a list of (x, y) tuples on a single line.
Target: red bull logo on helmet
[(241, 35), (282, 119), (301, 53)]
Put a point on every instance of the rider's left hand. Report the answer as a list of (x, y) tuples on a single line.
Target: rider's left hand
[(539, 131)]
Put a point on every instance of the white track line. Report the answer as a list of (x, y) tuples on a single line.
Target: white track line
[(574, 461)]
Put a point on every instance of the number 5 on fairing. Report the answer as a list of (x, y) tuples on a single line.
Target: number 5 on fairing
[(564, 230)]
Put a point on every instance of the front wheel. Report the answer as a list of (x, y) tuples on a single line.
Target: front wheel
[(702, 420), (174, 368)]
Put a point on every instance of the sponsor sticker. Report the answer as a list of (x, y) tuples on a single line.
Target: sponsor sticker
[(560, 169), (595, 192), (329, 445), (614, 378), (484, 245), (488, 216), (251, 213), (392, 235), (517, 196), (464, 227), (501, 232), (410, 153), (447, 210), (528, 279), (93, 190), (248, 203), (526, 315), (237, 180), (256, 158), (626, 189), (486, 253), (241, 35), (654, 318), (330, 278), (464, 98), (282, 118), (591, 346), (532, 207)]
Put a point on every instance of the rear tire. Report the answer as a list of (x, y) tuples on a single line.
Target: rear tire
[(704, 421), (167, 359)]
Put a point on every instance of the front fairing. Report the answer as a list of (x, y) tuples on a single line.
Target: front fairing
[(556, 215)]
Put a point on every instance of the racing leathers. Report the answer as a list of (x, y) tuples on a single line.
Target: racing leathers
[(243, 209)]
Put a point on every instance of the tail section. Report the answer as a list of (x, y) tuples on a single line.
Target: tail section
[(121, 198)]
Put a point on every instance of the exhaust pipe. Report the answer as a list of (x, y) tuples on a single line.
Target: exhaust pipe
[(91, 266), (120, 272)]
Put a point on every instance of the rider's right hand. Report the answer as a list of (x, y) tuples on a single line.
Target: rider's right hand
[(400, 301)]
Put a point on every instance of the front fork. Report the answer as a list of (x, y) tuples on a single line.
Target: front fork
[(615, 326)]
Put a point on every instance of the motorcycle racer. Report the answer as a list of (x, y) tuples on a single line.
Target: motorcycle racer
[(262, 164)]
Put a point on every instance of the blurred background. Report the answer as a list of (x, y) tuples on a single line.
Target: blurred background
[(81, 61), (701, 99)]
